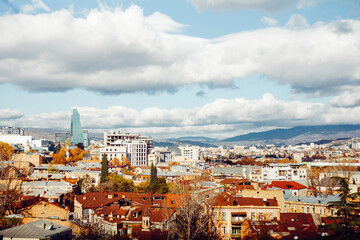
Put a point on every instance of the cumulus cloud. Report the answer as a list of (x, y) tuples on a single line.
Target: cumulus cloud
[(8, 114), (222, 117), (35, 6), (348, 99), (268, 21), (297, 21), (116, 51)]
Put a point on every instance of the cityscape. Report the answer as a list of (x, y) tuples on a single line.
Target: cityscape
[(184, 119)]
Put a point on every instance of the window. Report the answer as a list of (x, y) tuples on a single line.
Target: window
[(223, 229), (261, 216), (307, 209), (302, 209), (223, 216), (253, 216)]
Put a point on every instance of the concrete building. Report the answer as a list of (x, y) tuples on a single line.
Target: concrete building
[(11, 131), (37, 230), (13, 139), (135, 147), (190, 152), (280, 171)]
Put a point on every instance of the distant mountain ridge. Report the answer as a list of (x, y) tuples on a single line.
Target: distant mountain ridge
[(298, 134)]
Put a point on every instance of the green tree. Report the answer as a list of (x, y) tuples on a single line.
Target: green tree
[(117, 183), (104, 168), (159, 186), (153, 174), (347, 208)]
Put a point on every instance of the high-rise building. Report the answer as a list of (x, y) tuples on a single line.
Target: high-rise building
[(76, 129), (134, 146)]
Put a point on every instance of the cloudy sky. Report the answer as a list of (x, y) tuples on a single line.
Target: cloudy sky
[(215, 68)]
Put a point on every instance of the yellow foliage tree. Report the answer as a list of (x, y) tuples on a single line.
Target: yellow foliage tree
[(125, 161), (6, 151), (60, 157)]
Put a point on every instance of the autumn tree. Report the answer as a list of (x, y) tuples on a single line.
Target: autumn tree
[(193, 218), (60, 157), (6, 151), (11, 197), (86, 184), (76, 154)]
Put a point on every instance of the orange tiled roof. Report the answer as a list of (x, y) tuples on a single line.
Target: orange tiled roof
[(286, 185)]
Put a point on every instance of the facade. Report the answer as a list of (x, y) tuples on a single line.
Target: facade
[(230, 213), (135, 147), (112, 136), (13, 139), (11, 131), (279, 171), (76, 129), (190, 152), (62, 137)]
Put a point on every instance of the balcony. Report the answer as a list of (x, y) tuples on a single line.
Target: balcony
[(238, 218)]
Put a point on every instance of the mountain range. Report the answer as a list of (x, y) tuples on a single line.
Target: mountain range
[(281, 136)]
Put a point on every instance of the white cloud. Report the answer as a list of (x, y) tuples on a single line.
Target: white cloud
[(297, 21), (260, 5), (8, 114), (115, 51), (222, 117), (36, 5), (347, 99), (268, 21), (307, 3)]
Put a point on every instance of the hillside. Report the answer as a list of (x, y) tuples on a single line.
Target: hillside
[(298, 134)]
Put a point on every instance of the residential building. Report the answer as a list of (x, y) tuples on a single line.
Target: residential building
[(279, 171), (11, 131), (229, 213), (190, 152), (38, 230)]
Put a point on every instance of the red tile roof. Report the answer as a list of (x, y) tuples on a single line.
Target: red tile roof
[(286, 185), (223, 200)]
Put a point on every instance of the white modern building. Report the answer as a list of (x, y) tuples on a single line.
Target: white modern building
[(12, 131), (286, 171), (135, 147), (13, 139), (190, 152)]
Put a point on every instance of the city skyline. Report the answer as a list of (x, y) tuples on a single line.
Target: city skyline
[(180, 68)]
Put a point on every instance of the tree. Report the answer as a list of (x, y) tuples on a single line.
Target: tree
[(347, 208), (6, 151), (116, 183), (159, 186), (57, 149), (76, 154), (193, 219), (104, 168), (11, 192), (60, 157), (153, 174), (86, 184)]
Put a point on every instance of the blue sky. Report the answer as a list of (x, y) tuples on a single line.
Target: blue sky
[(215, 68)]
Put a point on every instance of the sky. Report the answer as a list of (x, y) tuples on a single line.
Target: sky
[(213, 68)]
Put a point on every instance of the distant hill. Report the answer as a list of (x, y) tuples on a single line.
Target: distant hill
[(175, 142), (195, 138), (298, 134)]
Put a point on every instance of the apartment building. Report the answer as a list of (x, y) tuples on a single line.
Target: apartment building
[(280, 171)]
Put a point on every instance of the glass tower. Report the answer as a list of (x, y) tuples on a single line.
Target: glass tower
[(76, 129)]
